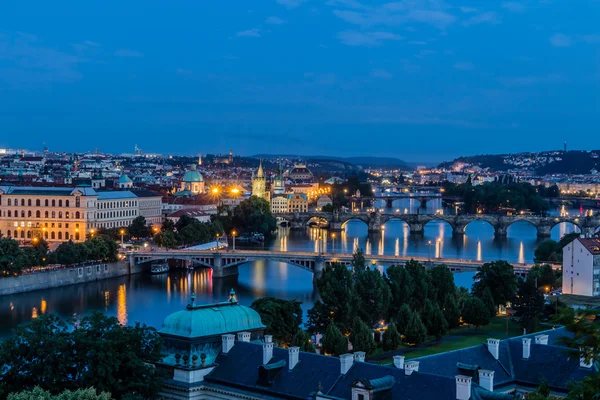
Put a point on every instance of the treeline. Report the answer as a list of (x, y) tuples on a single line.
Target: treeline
[(251, 215), (14, 259), (187, 231), (494, 197), (94, 352)]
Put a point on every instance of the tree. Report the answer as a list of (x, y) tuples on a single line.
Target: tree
[(401, 286), (139, 228), (40, 394), (403, 318), (303, 341), (421, 284), (499, 277), (281, 317), (545, 276), (442, 283), (96, 352), (475, 312), (327, 208), (373, 294), (416, 331), (334, 343), (167, 225), (362, 337), (391, 338), (12, 259), (488, 301), (254, 215), (338, 301), (165, 239), (529, 304), (451, 312), (548, 251), (434, 320)]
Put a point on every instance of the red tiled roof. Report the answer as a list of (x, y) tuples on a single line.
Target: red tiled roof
[(592, 244)]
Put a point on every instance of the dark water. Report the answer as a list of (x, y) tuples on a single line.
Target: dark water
[(149, 299)]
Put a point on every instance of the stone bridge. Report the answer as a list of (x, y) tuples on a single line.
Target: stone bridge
[(389, 199), (225, 263), (417, 222)]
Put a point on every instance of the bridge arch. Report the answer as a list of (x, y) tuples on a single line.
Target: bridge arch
[(403, 224), (318, 221), (445, 226), (561, 228), (523, 222), (487, 225)]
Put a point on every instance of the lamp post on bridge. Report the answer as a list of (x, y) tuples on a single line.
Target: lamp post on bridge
[(233, 233), (429, 253)]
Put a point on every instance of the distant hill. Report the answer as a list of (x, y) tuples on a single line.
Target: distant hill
[(365, 162)]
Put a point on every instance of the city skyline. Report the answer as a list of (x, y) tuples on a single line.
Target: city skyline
[(424, 81)]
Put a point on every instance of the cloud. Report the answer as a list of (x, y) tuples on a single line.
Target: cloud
[(128, 53), (464, 66), (513, 6), (345, 3), (368, 39), (560, 40), (468, 10), (381, 74), (90, 43), (530, 80), (429, 12), (290, 3), (254, 32), (181, 71), (26, 60), (274, 21), (85, 45), (489, 17)]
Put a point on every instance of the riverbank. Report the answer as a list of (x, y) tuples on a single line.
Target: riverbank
[(64, 277)]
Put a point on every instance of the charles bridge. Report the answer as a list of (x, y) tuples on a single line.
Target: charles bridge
[(416, 222)]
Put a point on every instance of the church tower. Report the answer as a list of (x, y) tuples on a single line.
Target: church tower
[(230, 156), (259, 183), (279, 183)]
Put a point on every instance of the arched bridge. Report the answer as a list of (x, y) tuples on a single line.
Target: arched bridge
[(226, 263), (389, 199), (417, 222)]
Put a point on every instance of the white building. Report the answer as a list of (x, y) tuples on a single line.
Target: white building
[(279, 204), (581, 267)]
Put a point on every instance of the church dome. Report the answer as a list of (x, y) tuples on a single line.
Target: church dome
[(211, 320), (192, 176), (124, 179)]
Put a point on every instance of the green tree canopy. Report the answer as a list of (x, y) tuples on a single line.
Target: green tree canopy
[(362, 337), (281, 317), (402, 318), (391, 338), (374, 294), (334, 343), (401, 286), (139, 227), (434, 320), (488, 301), (40, 394), (499, 277), (303, 341), (529, 304), (12, 258), (96, 352), (254, 215), (416, 331), (336, 288), (475, 312), (451, 312)]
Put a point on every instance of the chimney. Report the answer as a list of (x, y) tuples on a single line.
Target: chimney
[(463, 387), (243, 336), (359, 356), (494, 347), (526, 348), (399, 362), (346, 361), (293, 353), (541, 339), (582, 362), (486, 379), (228, 341), (410, 367), (267, 349)]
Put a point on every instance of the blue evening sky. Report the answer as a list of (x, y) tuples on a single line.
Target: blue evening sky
[(422, 80)]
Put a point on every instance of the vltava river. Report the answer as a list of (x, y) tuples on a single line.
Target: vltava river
[(149, 299)]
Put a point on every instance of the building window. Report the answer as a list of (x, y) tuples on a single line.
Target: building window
[(53, 203), (53, 214), (37, 202), (67, 215), (29, 202), (60, 214), (9, 213), (66, 203), (77, 201), (76, 235), (45, 214), (22, 202), (60, 203), (37, 214), (77, 215), (46, 203), (9, 202), (23, 214)]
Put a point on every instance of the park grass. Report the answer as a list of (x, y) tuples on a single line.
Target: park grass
[(464, 336)]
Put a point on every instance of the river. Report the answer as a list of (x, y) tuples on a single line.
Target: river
[(149, 299)]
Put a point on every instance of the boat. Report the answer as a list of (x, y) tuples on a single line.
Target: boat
[(159, 268)]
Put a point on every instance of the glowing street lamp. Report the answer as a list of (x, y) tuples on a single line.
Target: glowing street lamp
[(233, 233), (122, 232)]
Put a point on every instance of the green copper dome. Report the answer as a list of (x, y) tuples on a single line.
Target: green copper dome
[(212, 319), (192, 176), (124, 179)]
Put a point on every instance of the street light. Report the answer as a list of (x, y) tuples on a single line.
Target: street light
[(217, 236), (429, 252), (122, 232), (233, 233)]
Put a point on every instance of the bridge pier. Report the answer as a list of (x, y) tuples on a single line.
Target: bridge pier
[(319, 267), (389, 203), (423, 202), (335, 226), (417, 229), (219, 270), (588, 231), (458, 230), (543, 231), (500, 230)]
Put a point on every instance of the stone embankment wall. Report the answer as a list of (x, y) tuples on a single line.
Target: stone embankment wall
[(65, 276)]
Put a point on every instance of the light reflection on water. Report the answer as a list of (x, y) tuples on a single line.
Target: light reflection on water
[(150, 298)]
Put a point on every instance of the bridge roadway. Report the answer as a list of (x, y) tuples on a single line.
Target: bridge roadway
[(225, 263), (376, 221)]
